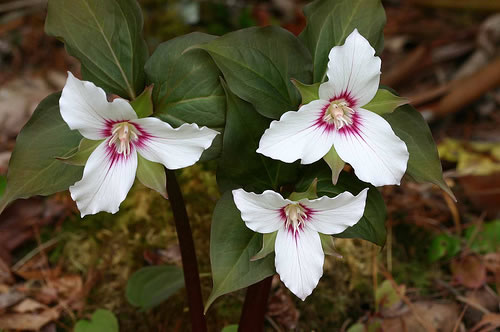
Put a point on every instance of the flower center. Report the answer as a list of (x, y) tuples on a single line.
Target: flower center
[(295, 216), (123, 134), (339, 114)]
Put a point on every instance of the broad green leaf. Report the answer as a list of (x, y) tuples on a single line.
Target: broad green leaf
[(307, 92), (385, 102), (187, 87), (424, 164), (258, 64), (268, 241), (232, 245), (106, 36), (330, 22), (239, 165), (80, 157), (143, 105), (371, 226), (101, 321), (152, 175), (33, 167), (335, 163), (150, 286)]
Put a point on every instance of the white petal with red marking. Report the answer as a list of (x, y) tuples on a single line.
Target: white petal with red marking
[(299, 260), (353, 69), (298, 136), (334, 215), (174, 148), (84, 107), (372, 148), (107, 178), (260, 212)]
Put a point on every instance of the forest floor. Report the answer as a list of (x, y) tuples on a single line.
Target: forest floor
[(440, 267)]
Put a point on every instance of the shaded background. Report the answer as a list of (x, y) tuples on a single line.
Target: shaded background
[(440, 268)]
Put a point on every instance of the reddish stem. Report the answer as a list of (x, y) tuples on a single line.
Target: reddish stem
[(189, 262), (255, 306)]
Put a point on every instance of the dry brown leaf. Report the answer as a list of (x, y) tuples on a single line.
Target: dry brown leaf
[(282, 309), (480, 301), (440, 315), (5, 274), (31, 322), (10, 298), (67, 285), (28, 305), (469, 271), (490, 322)]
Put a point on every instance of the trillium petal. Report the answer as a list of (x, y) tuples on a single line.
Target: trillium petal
[(334, 215), (84, 107), (260, 212), (107, 178), (299, 260), (174, 148), (372, 148), (297, 135), (353, 71)]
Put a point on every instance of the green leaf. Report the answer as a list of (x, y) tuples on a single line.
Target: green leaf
[(143, 105), (232, 245), (328, 245), (310, 193), (106, 36), (152, 175), (230, 328), (258, 64), (33, 167), (330, 22), (268, 241), (443, 246), (386, 297), (3, 184), (371, 227), (151, 285), (85, 149), (239, 165), (307, 92), (335, 163), (485, 240), (385, 102), (424, 164), (187, 87), (101, 321)]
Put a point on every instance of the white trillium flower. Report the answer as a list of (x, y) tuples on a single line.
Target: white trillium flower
[(361, 138), (299, 256), (110, 170)]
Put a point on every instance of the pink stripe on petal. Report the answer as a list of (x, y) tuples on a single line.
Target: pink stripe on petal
[(347, 97), (115, 157)]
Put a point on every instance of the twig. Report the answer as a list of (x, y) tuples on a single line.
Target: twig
[(35, 252), (188, 254)]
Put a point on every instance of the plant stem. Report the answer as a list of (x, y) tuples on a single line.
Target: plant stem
[(189, 262), (255, 306)]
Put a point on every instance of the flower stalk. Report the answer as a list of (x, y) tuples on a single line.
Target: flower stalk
[(255, 306), (188, 254)]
